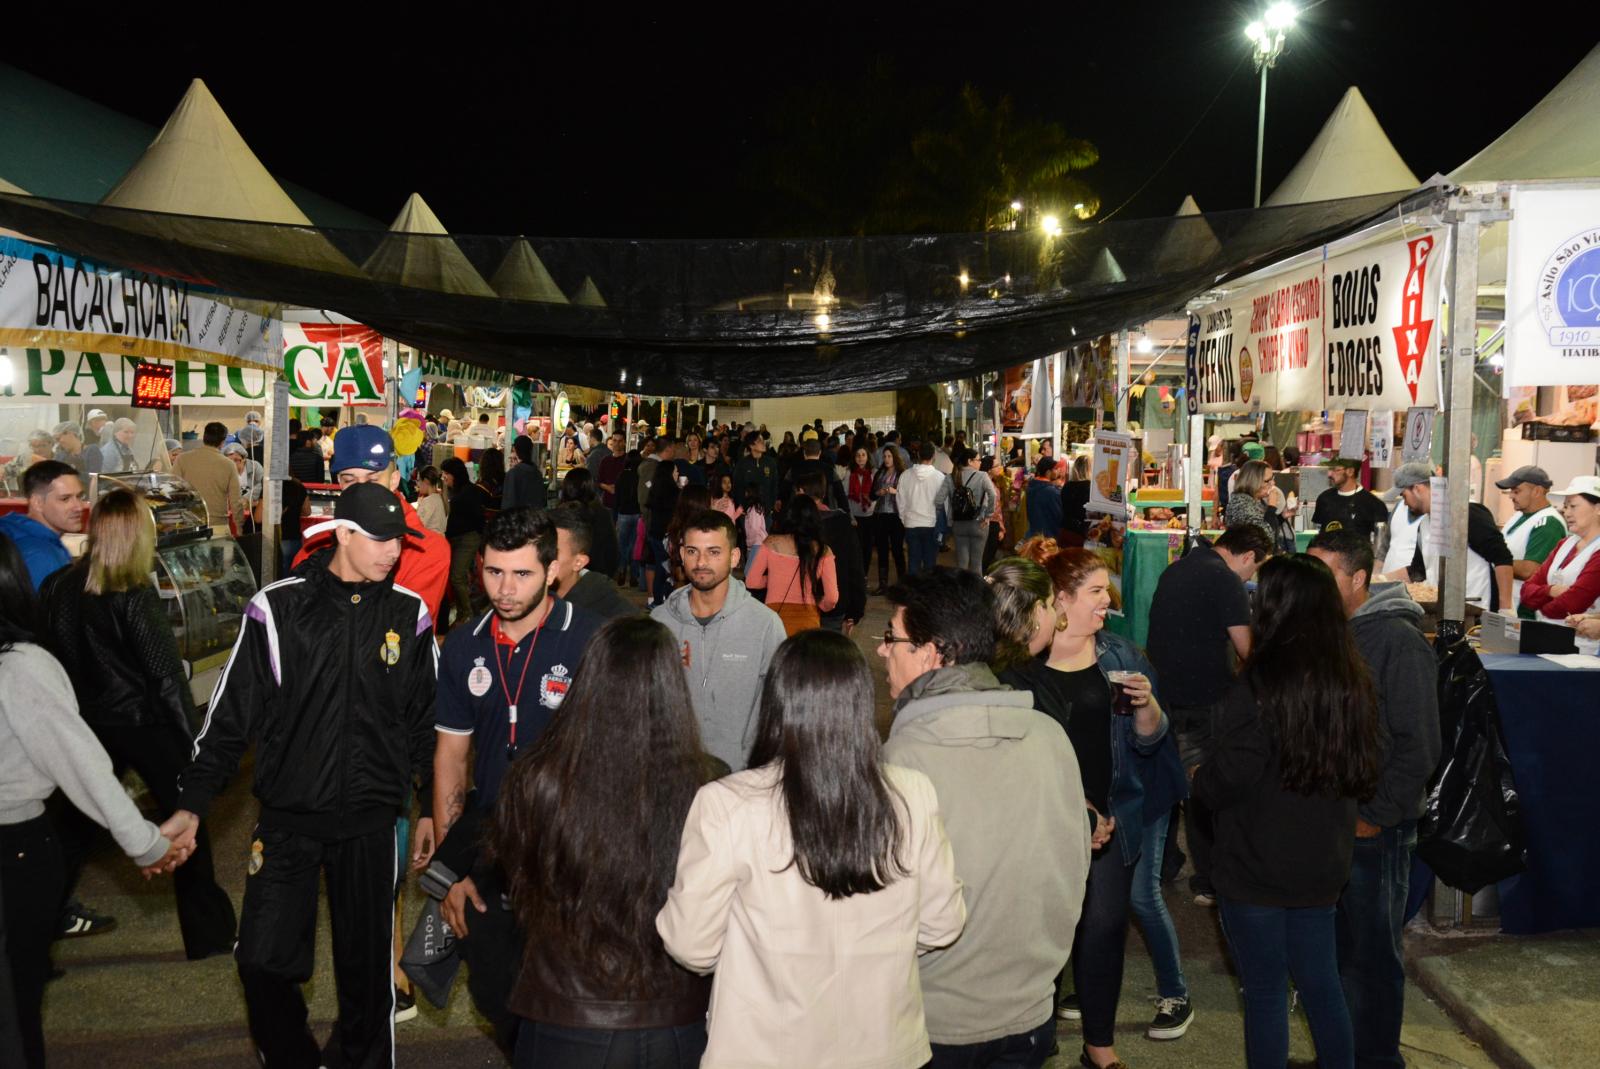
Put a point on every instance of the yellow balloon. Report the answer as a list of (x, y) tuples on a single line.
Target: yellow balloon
[(407, 435)]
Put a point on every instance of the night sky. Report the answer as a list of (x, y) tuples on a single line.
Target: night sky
[(616, 124)]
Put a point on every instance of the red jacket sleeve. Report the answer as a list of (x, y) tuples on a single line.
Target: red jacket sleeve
[(425, 568), (1583, 593)]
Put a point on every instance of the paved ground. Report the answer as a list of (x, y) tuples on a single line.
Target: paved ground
[(129, 998)]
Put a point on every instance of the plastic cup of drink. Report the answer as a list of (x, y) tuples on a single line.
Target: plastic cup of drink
[(1121, 703)]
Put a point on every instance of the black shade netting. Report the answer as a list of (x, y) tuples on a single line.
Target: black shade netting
[(719, 318)]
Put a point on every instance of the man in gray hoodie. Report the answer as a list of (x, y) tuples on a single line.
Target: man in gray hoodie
[(727, 638), (1013, 805), (1387, 626)]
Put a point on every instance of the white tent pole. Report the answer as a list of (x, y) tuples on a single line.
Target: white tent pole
[(1124, 380), (1467, 214), (1058, 365), (275, 464), (1194, 472)]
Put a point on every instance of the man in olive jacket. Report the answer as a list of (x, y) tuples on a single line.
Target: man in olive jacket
[(1013, 804)]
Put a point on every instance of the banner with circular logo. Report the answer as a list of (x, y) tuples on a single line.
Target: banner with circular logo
[(1553, 288)]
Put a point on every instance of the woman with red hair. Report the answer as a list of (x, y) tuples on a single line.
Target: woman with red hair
[(1100, 688)]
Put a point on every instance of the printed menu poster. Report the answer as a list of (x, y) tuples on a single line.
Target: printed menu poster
[(1114, 463)]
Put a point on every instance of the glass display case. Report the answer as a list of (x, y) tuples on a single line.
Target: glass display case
[(179, 512), (206, 584)]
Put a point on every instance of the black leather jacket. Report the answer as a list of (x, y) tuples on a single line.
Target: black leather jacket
[(119, 651)]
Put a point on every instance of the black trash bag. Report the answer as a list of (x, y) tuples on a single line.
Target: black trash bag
[(1470, 833)]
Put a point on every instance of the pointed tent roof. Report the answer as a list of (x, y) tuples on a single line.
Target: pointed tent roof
[(1105, 271), (522, 276), (1557, 138), (1189, 239), (419, 252), (1351, 156), (7, 187), (589, 295), (198, 165)]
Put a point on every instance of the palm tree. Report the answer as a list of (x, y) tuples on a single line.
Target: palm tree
[(966, 172)]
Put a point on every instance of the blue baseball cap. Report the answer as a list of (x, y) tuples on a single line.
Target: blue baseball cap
[(361, 446)]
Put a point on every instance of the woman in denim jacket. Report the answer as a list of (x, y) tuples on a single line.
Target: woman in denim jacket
[(1100, 688)]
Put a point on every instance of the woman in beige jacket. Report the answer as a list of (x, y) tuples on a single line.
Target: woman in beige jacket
[(810, 882)]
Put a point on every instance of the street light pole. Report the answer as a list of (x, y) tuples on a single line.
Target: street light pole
[(1261, 134), (1267, 35)]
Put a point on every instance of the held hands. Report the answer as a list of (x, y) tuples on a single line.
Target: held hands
[(179, 830), (1137, 687), (1559, 589), (422, 844), (1104, 828), (1588, 626), (454, 906)]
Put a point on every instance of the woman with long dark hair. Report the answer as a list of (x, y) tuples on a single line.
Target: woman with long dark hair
[(111, 633), (692, 500), (1295, 746), (796, 568), (888, 533), (587, 827), (578, 487), (810, 881), (45, 745), (492, 474), (464, 530), (857, 480), (1100, 688), (627, 497)]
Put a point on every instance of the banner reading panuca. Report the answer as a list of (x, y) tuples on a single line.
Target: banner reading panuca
[(324, 365), (52, 300), (1354, 331)]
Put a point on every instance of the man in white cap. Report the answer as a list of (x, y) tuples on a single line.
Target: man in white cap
[(1488, 559), (1534, 529), (95, 422)]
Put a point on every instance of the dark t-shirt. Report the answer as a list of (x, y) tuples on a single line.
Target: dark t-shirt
[(1081, 703), (1197, 599), (1360, 511), (471, 696), (1484, 539), (294, 499)]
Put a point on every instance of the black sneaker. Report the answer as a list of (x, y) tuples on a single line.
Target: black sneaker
[(78, 919), (1173, 1017), (1068, 1010), (405, 1006)]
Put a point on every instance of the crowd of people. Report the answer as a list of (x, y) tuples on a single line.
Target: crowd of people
[(670, 834)]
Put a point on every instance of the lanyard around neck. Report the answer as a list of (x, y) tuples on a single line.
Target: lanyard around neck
[(505, 673)]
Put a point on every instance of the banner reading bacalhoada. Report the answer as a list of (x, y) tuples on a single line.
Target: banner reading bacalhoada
[(1353, 331), (324, 364), (1553, 288), (52, 300), (459, 372)]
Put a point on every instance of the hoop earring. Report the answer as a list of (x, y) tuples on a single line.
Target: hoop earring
[(1061, 623)]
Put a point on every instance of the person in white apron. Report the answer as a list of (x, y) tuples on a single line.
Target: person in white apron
[(1568, 582), (1488, 561), (1533, 530), (1403, 527)]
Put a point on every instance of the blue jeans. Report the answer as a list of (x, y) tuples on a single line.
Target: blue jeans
[(1150, 910), (1371, 913), (1270, 945), (627, 535), (1025, 1050), (544, 1046), (941, 522), (1100, 944), (922, 546)]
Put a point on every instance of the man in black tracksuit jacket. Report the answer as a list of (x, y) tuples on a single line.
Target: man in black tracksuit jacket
[(332, 679)]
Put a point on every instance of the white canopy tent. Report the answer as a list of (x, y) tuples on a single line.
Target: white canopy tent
[(1350, 156), (522, 276), (199, 165), (427, 264)]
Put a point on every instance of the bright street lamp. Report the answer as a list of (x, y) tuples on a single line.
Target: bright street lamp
[(1267, 37), (1051, 225)]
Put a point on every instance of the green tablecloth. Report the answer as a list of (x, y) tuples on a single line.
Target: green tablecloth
[(1145, 556)]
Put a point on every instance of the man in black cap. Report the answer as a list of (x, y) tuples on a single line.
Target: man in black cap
[(1346, 505), (1534, 530), (332, 679)]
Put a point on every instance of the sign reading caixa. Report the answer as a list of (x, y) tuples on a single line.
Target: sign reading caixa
[(1355, 331), (323, 365)]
